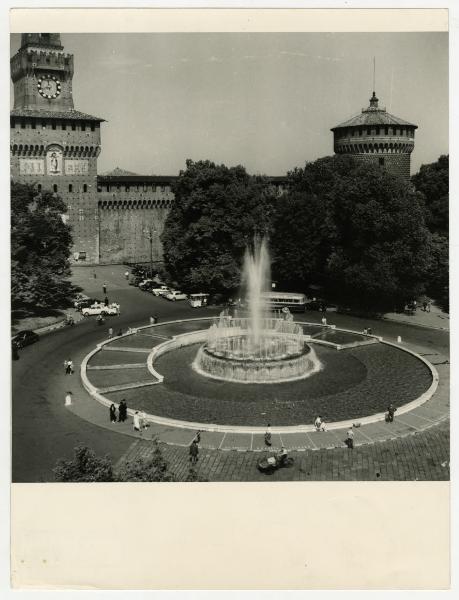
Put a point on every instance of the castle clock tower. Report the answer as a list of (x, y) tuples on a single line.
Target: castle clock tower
[(53, 146)]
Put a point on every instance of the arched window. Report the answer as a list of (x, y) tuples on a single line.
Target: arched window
[(55, 188), (85, 187), (70, 187)]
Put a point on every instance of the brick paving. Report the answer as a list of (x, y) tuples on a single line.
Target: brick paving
[(417, 457)]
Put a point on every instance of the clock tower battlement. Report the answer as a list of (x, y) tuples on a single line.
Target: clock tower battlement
[(42, 73)]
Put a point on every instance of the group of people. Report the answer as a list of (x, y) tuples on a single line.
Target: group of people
[(139, 419), (367, 331), (122, 412)]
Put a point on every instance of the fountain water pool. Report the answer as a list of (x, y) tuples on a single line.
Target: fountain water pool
[(258, 348)]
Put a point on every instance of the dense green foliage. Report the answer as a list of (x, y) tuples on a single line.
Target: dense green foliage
[(432, 181), (150, 469), (354, 229), (84, 466), (216, 212), (40, 247)]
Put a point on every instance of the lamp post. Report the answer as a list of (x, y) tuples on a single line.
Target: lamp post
[(149, 232)]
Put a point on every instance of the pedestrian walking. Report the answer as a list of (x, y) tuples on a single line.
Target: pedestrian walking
[(68, 364), (94, 274), (106, 301), (136, 422), (68, 399), (112, 413), (194, 451), (104, 289), (110, 333), (429, 302), (324, 321), (370, 331), (268, 441), (127, 275), (198, 436), (122, 411), (14, 351), (390, 413), (350, 439), (120, 332)]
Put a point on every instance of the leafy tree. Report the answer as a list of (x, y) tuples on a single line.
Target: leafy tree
[(300, 241), (438, 276), (432, 181), (216, 211), (358, 230), (84, 466), (155, 468), (40, 248)]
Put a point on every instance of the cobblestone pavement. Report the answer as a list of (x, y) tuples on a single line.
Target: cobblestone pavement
[(422, 457)]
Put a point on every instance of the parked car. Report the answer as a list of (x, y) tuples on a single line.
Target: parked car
[(85, 302), (147, 287), (145, 282), (176, 295), (24, 338), (161, 290), (78, 298), (101, 309)]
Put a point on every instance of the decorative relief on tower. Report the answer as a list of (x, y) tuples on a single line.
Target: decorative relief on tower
[(76, 167), (54, 160), (31, 166)]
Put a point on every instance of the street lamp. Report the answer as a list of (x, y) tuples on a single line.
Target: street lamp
[(150, 231)]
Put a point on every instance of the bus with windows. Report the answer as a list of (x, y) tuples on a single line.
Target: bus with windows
[(279, 300)]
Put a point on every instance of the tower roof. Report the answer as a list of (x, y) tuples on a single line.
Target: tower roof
[(63, 114), (42, 40), (373, 115)]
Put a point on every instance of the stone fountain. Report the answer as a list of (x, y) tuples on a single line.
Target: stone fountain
[(260, 347)]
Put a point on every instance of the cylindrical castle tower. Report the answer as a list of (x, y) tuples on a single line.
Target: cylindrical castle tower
[(377, 137)]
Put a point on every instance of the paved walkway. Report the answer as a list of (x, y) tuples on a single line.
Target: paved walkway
[(418, 457)]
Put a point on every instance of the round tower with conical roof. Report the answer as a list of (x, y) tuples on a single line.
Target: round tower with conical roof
[(376, 136)]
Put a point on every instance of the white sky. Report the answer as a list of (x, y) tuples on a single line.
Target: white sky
[(266, 101)]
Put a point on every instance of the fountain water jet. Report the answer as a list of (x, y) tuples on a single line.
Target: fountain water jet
[(259, 348)]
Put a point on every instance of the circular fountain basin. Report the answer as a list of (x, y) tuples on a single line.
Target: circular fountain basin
[(263, 366)]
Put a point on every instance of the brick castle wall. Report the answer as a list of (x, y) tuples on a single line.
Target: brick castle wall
[(398, 164)]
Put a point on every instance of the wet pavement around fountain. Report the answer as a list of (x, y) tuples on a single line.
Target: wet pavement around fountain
[(133, 351)]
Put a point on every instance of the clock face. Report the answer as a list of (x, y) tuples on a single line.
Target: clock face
[(49, 86)]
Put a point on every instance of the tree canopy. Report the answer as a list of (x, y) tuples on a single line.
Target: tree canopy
[(432, 181), (40, 248), (215, 213), (84, 466), (356, 230)]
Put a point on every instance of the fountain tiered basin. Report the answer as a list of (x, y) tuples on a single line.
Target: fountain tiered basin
[(274, 352)]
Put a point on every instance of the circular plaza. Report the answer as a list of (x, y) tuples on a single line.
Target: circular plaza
[(152, 369)]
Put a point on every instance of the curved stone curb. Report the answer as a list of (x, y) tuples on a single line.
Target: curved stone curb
[(213, 427)]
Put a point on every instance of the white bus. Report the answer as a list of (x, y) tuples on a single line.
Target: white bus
[(278, 300), (197, 300)]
